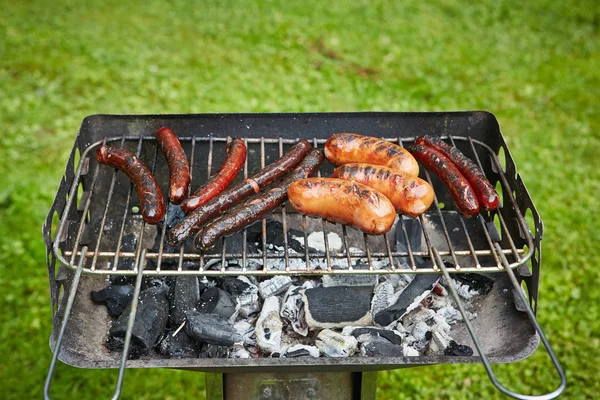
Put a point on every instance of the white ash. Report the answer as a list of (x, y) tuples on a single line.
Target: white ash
[(438, 343), (248, 301), (382, 297), (316, 241), (292, 308), (274, 286), (464, 291), (312, 350), (269, 326), (410, 351), (246, 329), (240, 353), (334, 344)]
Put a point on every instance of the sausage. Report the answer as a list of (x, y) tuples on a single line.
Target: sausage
[(344, 148), (236, 155), (460, 189), (345, 202), (486, 194), (194, 221), (149, 193), (179, 169), (410, 195), (259, 207)]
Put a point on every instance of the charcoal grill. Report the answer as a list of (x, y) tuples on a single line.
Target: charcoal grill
[(95, 207)]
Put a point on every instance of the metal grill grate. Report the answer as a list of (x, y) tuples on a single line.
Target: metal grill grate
[(468, 243)]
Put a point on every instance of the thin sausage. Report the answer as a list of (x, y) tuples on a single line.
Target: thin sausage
[(345, 202), (236, 155), (194, 221), (179, 169), (149, 193), (344, 148), (259, 207), (486, 194), (460, 189), (410, 195)]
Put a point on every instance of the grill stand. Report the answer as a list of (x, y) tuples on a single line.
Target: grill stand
[(292, 386)]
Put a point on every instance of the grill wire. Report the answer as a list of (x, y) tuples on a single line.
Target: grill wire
[(464, 260)]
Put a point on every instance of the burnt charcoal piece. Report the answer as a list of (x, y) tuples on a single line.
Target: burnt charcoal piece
[(128, 244), (185, 296), (455, 349), (379, 347), (210, 350), (417, 287), (150, 322), (390, 336), (274, 286), (217, 301), (274, 236), (301, 350), (476, 282), (232, 285), (338, 306), (153, 281), (179, 346), (211, 328), (174, 215), (116, 298)]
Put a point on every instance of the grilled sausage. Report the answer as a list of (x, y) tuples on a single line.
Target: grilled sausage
[(346, 202), (410, 195), (344, 148), (149, 193), (460, 189), (179, 169), (259, 207), (236, 155), (486, 194), (194, 221)]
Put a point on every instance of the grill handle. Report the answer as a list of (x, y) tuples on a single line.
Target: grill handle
[(72, 292), (563, 380)]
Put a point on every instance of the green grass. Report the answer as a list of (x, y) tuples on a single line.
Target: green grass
[(536, 65)]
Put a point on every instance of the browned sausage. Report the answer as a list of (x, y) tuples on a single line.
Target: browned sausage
[(236, 155), (344, 148), (345, 202), (257, 208), (149, 193), (457, 184), (194, 221), (409, 194), (179, 169), (486, 194)]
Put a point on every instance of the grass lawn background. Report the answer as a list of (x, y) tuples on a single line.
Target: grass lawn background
[(535, 65)]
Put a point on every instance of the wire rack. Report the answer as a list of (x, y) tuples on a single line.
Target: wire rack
[(91, 244)]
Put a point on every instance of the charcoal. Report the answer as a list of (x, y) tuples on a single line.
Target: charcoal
[(269, 326), (390, 336), (478, 283), (150, 322), (419, 314), (247, 331), (178, 346), (239, 353), (292, 308), (338, 306), (416, 290), (301, 350), (232, 285), (210, 350), (174, 215), (116, 298), (153, 281), (382, 297), (211, 328), (455, 349), (128, 244), (334, 344), (316, 241), (274, 235), (249, 301), (217, 301), (185, 296), (349, 280), (380, 347), (274, 286)]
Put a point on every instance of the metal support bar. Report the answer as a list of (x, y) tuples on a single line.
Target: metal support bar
[(292, 386), (530, 313)]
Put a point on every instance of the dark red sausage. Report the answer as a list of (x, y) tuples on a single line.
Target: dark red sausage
[(486, 194), (236, 155), (194, 221), (149, 193), (459, 187), (179, 168), (257, 208)]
